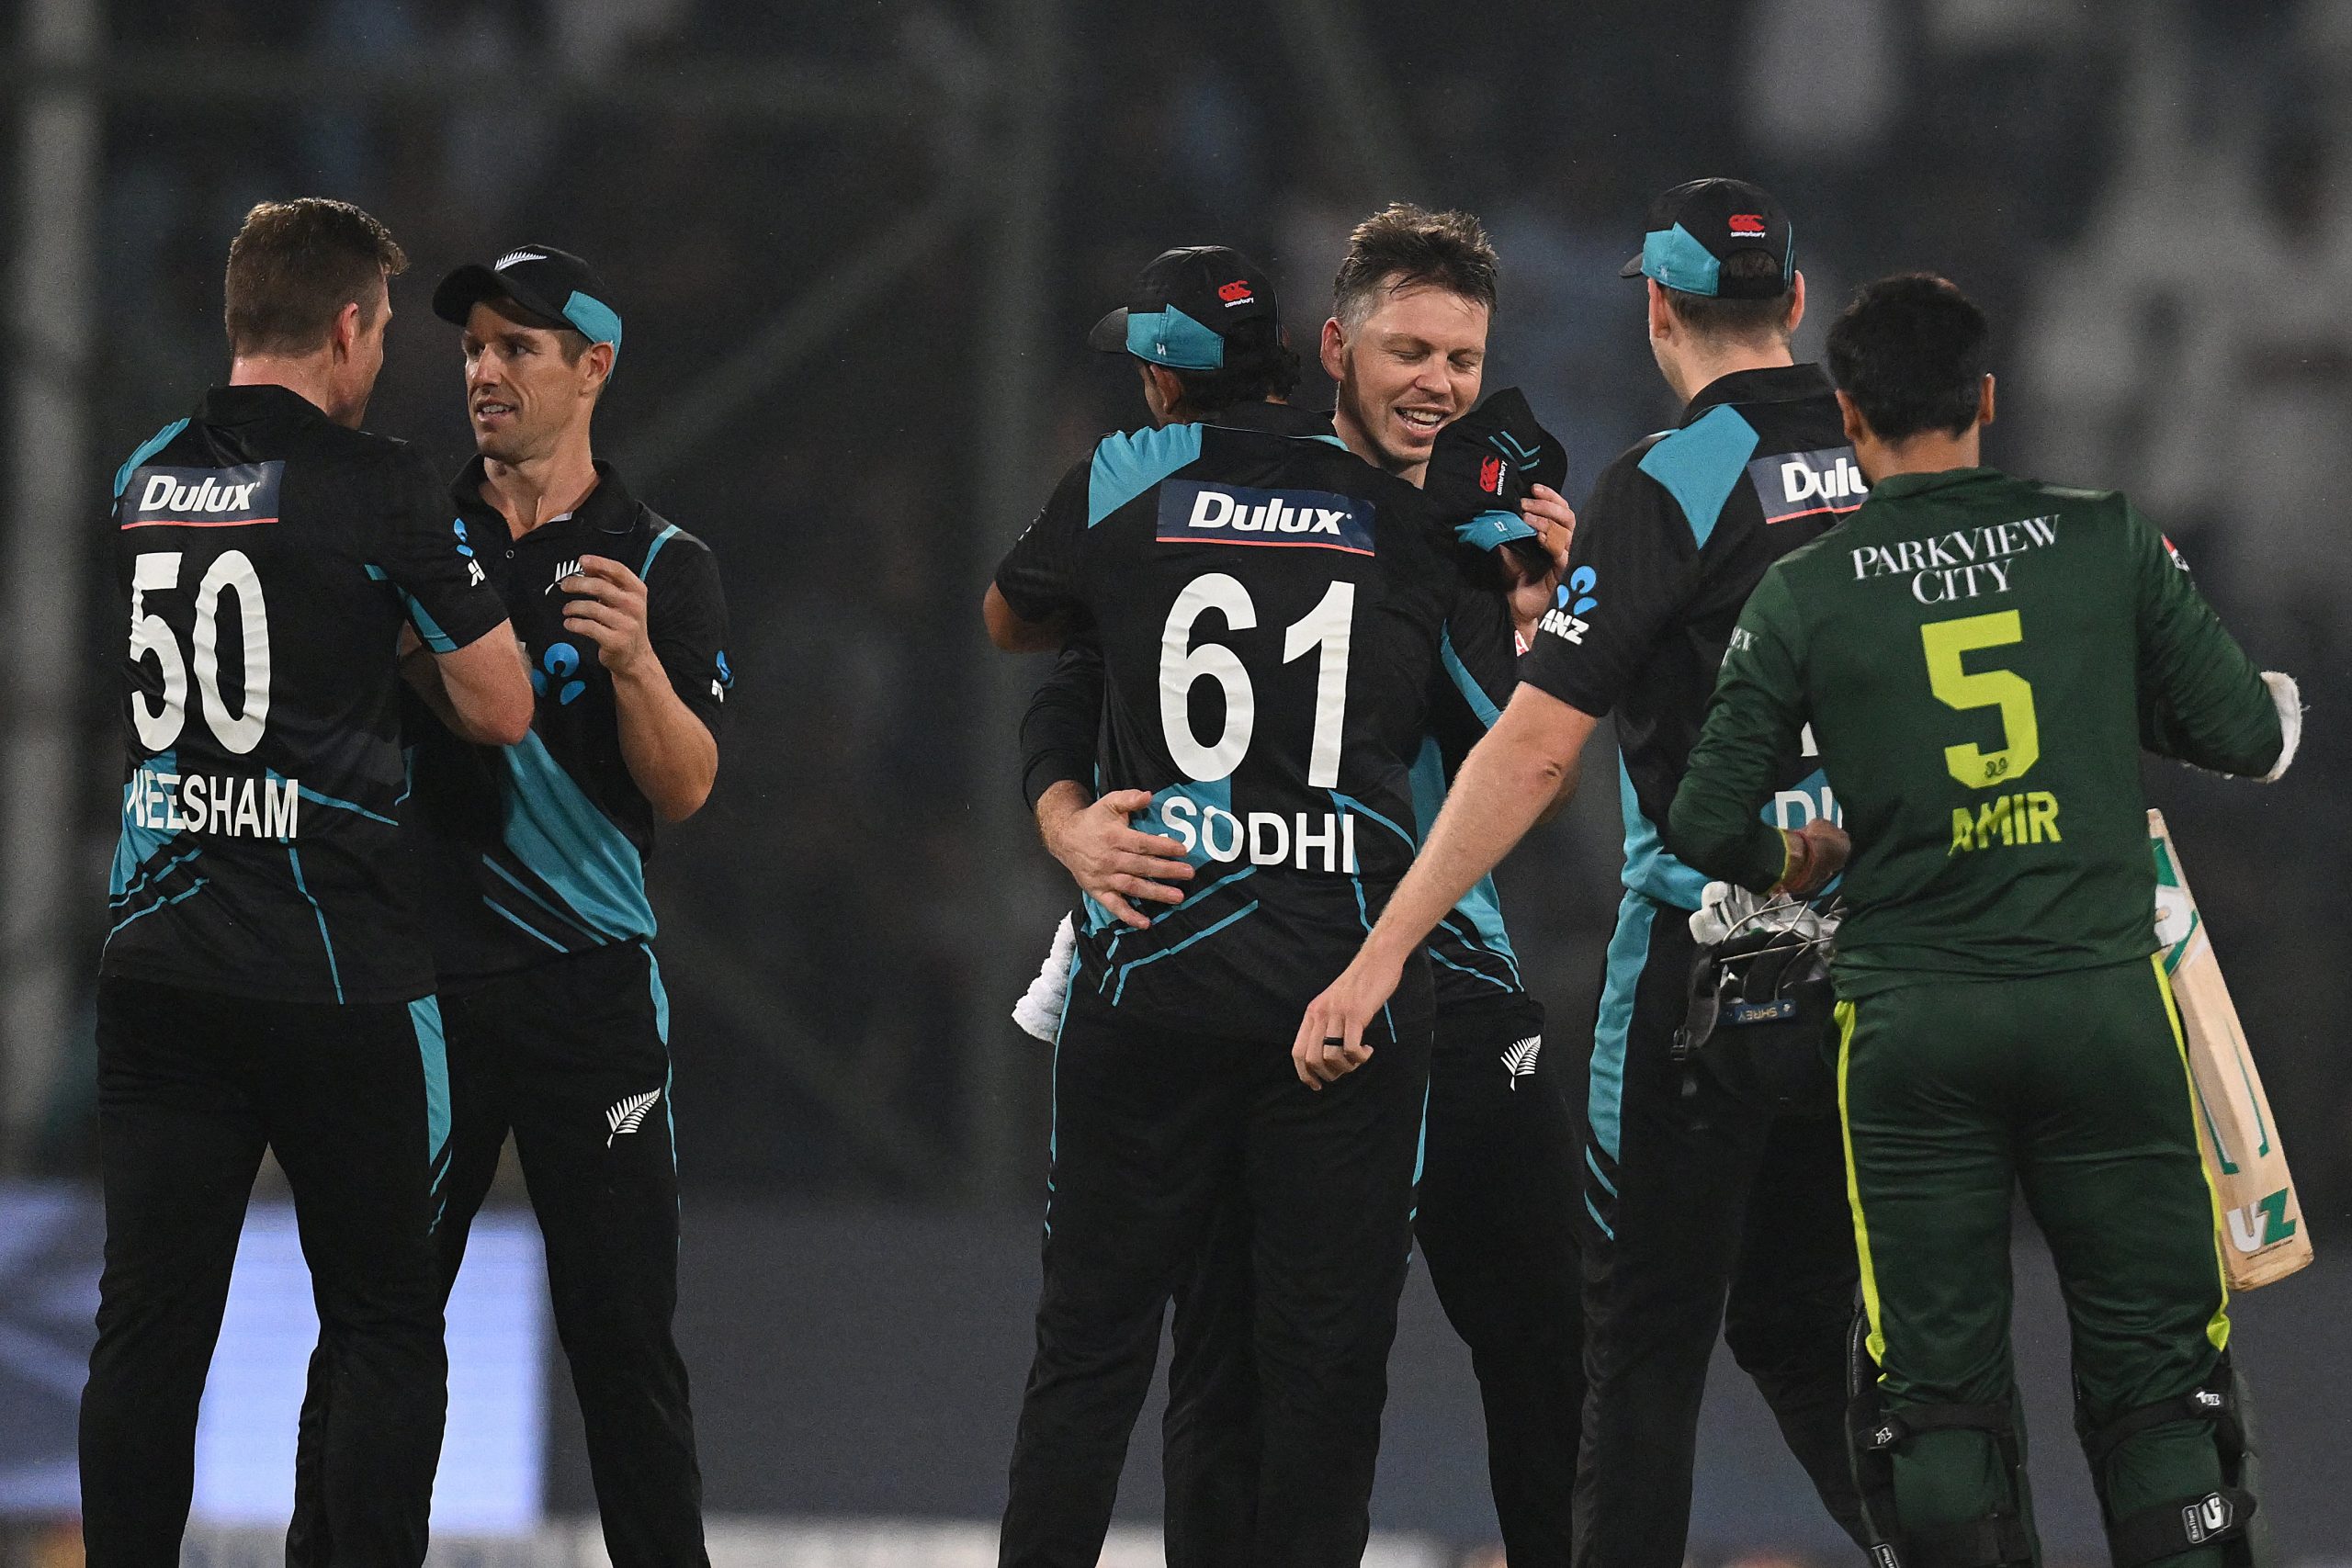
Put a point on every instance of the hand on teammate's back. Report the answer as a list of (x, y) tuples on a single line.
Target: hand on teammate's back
[(1112, 861)]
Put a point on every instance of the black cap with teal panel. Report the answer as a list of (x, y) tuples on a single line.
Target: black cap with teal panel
[(1694, 229), (553, 285), (1183, 306)]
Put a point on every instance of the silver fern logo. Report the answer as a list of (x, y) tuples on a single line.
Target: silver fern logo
[(511, 257), (627, 1115), (1519, 1060)]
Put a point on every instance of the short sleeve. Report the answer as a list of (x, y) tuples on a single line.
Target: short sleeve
[(686, 616), (1629, 573), (1040, 575), (424, 555)]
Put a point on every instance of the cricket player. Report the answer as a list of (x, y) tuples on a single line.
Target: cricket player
[(1704, 1212), (534, 855), (1269, 701), (1496, 1203), (266, 986), (1982, 660)]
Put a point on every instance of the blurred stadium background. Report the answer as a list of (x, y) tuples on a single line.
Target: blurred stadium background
[(857, 246)]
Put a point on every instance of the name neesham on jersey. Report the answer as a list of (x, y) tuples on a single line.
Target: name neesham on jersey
[(200, 803), (1962, 564), (1302, 841)]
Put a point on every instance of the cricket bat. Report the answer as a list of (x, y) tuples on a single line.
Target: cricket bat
[(2263, 1237)]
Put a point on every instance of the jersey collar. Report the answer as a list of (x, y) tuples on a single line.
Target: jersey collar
[(1779, 384), (1897, 485), (1274, 419), (254, 402), (609, 508)]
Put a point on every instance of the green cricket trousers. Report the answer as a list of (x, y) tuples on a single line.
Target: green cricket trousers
[(2074, 1087)]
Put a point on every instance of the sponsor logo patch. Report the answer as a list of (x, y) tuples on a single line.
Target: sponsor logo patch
[(1193, 512), (1808, 484), (1235, 293), (1747, 225), (1491, 476), (202, 498)]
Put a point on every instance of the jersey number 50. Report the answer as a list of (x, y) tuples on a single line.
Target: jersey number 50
[(152, 635), (1324, 628), (1945, 641)]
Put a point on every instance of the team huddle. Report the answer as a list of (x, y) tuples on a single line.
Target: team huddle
[(1886, 952), (397, 752)]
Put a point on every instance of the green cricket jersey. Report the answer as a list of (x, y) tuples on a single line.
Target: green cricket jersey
[(1981, 659)]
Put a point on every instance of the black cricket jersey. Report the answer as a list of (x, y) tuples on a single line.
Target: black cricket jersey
[(1473, 964), (1270, 609), (1679, 531), (1470, 952), (538, 850), (268, 557)]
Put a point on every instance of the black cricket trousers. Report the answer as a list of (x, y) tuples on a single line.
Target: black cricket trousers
[(1497, 1206), (573, 1058), (1156, 1134), (192, 1087), (1703, 1214)]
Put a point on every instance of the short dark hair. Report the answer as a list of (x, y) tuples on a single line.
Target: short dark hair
[(1403, 246), (295, 265), (1257, 365), (1737, 320), (1911, 352)]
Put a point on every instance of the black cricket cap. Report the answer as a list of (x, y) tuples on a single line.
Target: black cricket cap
[(543, 280), (1694, 229), (1183, 304)]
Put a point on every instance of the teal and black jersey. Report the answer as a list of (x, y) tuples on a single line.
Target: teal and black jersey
[(1677, 534), (1269, 609), (1470, 950), (267, 557), (538, 850)]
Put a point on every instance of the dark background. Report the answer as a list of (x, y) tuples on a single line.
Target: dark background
[(857, 246)]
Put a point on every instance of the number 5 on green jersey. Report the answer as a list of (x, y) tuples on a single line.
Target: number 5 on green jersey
[(1946, 642)]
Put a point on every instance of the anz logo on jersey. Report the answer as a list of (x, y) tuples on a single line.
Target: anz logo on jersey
[(1192, 513)]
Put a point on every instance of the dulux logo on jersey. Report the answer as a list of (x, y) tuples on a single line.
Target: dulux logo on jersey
[(202, 498), (1193, 512), (1808, 484)]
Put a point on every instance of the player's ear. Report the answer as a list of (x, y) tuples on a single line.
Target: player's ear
[(599, 358), (1333, 348), (1661, 315), (1851, 417), (344, 336), (1984, 401), (1796, 306)]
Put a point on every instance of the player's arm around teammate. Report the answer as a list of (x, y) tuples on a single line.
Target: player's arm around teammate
[(263, 986), (534, 859), (1980, 659)]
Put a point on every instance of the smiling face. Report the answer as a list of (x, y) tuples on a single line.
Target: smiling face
[(1412, 367), (523, 390)]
